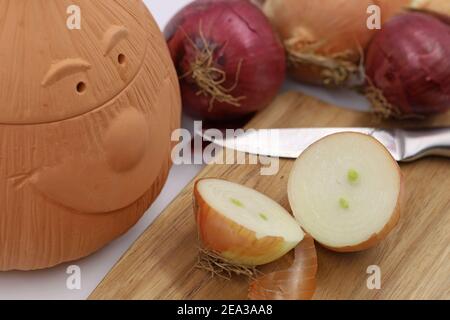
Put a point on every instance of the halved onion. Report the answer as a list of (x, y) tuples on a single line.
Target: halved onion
[(346, 190), (241, 225)]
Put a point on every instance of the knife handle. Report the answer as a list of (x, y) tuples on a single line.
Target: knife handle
[(418, 144)]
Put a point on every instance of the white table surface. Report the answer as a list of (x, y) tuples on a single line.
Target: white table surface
[(51, 283)]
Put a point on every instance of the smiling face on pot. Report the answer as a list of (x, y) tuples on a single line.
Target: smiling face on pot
[(85, 123)]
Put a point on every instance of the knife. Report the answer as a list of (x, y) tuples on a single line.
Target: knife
[(404, 145)]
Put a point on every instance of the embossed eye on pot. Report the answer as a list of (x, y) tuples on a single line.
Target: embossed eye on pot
[(81, 87), (122, 59)]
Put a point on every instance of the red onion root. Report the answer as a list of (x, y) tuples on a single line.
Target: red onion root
[(209, 78), (382, 108)]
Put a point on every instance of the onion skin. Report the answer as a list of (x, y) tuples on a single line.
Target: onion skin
[(408, 67), (244, 46), (335, 32), (298, 282), (439, 7), (233, 242)]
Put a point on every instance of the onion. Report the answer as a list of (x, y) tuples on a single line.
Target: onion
[(228, 57), (240, 226), (324, 39), (346, 191), (408, 67)]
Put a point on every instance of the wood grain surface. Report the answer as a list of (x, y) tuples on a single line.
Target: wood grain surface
[(414, 259)]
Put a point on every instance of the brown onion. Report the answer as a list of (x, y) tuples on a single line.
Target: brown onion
[(228, 57), (240, 226), (324, 39), (408, 67)]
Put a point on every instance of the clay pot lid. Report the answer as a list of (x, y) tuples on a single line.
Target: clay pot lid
[(50, 73)]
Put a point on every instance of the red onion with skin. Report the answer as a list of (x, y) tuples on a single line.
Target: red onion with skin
[(408, 67), (228, 57)]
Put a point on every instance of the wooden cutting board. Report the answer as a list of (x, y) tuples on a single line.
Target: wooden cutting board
[(414, 259)]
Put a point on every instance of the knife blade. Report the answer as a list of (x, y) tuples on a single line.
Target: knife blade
[(404, 145)]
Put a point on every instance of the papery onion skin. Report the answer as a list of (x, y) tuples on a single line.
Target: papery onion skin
[(440, 7), (408, 67), (324, 39), (245, 47), (297, 282), (232, 241)]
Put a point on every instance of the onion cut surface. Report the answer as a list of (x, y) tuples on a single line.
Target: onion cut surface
[(242, 225), (345, 191)]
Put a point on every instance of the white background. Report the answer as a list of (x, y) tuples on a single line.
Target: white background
[(51, 283)]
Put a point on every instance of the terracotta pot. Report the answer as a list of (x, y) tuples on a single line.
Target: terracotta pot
[(85, 125)]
